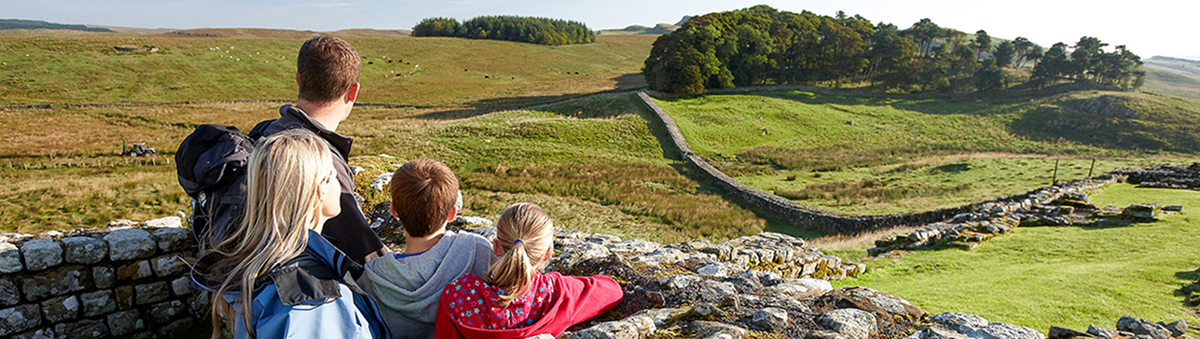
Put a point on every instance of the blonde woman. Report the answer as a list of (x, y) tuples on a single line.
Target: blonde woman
[(515, 300), (275, 276)]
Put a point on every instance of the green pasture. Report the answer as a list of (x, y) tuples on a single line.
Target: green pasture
[(1066, 276), (886, 155), (414, 71), (597, 164)]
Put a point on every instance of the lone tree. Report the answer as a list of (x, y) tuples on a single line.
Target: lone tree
[(989, 77), (1004, 54), (983, 43)]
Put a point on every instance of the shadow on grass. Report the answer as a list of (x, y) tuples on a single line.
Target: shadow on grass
[(1188, 291), (484, 106)]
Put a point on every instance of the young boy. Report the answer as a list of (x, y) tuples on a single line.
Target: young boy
[(407, 285)]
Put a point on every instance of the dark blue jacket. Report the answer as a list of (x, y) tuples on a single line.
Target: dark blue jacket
[(348, 231)]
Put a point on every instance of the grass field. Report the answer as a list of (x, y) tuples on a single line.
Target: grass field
[(594, 163), (879, 155), (1065, 276), (599, 165), (415, 71)]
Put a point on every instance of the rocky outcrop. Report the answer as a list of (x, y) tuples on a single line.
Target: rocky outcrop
[(1126, 327), (1163, 176), (757, 284)]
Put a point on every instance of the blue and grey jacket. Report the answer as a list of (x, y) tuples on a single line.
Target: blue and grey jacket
[(310, 296)]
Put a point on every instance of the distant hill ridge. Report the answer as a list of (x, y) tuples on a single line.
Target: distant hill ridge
[(6, 24), (662, 28)]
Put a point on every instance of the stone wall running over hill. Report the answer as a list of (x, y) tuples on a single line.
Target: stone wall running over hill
[(801, 214), (125, 283)]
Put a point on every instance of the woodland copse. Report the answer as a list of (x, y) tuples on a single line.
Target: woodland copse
[(542, 31), (761, 46)]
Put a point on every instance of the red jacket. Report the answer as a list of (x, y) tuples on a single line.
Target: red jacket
[(575, 299)]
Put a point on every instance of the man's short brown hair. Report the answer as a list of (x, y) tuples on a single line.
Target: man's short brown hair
[(326, 69), (423, 193)]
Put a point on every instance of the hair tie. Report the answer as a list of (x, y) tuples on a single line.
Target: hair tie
[(518, 241)]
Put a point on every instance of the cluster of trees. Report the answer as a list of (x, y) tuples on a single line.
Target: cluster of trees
[(510, 28), (1088, 62), (760, 45)]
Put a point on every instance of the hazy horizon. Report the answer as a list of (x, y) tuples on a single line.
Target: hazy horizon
[(1153, 28)]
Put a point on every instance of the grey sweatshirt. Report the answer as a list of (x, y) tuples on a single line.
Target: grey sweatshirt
[(407, 289)]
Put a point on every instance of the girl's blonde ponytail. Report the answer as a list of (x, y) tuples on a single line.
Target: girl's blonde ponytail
[(526, 234)]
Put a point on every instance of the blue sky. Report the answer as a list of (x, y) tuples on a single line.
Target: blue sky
[(1147, 27)]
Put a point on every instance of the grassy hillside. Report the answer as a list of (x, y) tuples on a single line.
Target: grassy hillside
[(879, 155), (594, 163), (424, 71), (1065, 276), (1171, 76)]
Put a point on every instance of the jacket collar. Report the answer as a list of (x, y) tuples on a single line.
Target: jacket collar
[(318, 250), (291, 116)]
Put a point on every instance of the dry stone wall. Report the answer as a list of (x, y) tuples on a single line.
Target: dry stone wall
[(123, 283), (801, 214)]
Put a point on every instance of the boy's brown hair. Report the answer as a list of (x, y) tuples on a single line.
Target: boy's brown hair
[(326, 69), (423, 194)]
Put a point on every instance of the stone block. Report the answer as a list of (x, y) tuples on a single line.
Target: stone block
[(770, 318), (168, 265), (850, 322), (18, 319), (129, 244), (125, 322), (173, 239), (56, 281), (182, 286), (61, 309), (608, 330), (9, 294), (41, 254), (134, 270), (167, 310), (173, 222), (86, 328), (84, 250), (41, 333), (124, 295), (151, 293), (177, 329), (10, 258), (104, 276), (98, 302)]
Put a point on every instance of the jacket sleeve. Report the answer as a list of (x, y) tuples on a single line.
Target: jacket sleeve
[(584, 298), (444, 327)]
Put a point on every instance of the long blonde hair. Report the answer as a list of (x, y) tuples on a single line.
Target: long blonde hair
[(529, 224), (282, 204)]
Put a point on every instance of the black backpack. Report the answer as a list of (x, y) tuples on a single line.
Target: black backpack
[(211, 166)]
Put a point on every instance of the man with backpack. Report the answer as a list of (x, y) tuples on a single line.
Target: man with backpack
[(211, 162), (327, 70)]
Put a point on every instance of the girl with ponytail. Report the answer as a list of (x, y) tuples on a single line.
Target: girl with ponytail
[(515, 300)]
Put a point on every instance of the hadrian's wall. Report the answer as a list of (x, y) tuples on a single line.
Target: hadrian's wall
[(831, 221), (122, 283)]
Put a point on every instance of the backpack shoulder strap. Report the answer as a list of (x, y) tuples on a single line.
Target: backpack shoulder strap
[(258, 130)]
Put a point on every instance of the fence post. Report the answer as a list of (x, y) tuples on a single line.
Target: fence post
[(1054, 180), (1092, 168)]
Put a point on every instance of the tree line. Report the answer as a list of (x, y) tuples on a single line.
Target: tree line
[(6, 24), (761, 45), (542, 31)]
